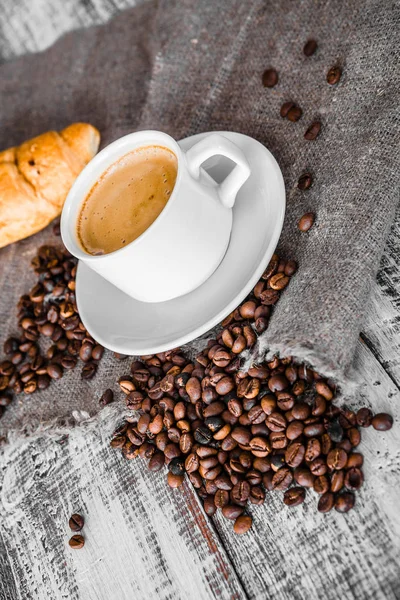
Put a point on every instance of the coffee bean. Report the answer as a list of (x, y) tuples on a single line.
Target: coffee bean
[(318, 466), (260, 446), (221, 498), (76, 522), (270, 78), (254, 477), (97, 352), (344, 502), (354, 460), (209, 506), (337, 480), (257, 496), (30, 387), (193, 389), (239, 344), (177, 465), (279, 281), (319, 406), (277, 461), (298, 388), (232, 511), (294, 454), (77, 542), (364, 417), (282, 479), (326, 502), (310, 48), (54, 371), (106, 398), (89, 370), (240, 492), (294, 113), (267, 481), (294, 430), (334, 431), (345, 445), (304, 183), (354, 479), (382, 422), (224, 386), (203, 435), (294, 496), (354, 436), (313, 450), (313, 131), (278, 383), (304, 477), (241, 435), (156, 462), (43, 382), (336, 459), (313, 430), (321, 484), (324, 390), (242, 524), (10, 346), (333, 76), (174, 481), (269, 297), (300, 410)]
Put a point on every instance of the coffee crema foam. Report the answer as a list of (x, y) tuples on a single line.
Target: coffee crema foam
[(127, 199)]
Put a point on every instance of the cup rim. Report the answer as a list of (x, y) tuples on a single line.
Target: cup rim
[(76, 197)]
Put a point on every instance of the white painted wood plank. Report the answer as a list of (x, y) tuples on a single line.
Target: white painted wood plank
[(382, 324), (143, 540), (33, 25)]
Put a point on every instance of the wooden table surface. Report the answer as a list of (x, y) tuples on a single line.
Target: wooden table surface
[(145, 540)]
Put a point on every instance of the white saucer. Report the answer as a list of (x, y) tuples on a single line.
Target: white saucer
[(128, 326)]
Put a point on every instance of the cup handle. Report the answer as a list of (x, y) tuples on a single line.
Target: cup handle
[(213, 145)]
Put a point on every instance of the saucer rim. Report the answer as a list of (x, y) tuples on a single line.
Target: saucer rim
[(234, 302)]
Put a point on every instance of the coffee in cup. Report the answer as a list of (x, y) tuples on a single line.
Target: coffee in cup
[(127, 198)]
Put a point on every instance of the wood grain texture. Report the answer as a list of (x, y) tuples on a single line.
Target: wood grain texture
[(381, 329), (32, 26), (143, 540)]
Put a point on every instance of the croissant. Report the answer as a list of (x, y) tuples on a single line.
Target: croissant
[(36, 176)]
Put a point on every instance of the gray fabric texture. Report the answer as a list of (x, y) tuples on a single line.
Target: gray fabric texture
[(186, 67)]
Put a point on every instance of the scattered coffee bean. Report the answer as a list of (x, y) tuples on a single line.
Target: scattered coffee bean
[(77, 542), (270, 78), (382, 422), (294, 113), (76, 522), (305, 182), (106, 398), (242, 524), (310, 47), (326, 502), (294, 496), (306, 222), (344, 502), (313, 131), (333, 76)]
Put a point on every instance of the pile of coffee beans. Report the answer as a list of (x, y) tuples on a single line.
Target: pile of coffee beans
[(52, 337), (239, 433)]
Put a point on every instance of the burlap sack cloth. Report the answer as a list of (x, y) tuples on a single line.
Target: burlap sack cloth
[(185, 67)]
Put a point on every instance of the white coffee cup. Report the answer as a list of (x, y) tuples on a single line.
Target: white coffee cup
[(187, 241)]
